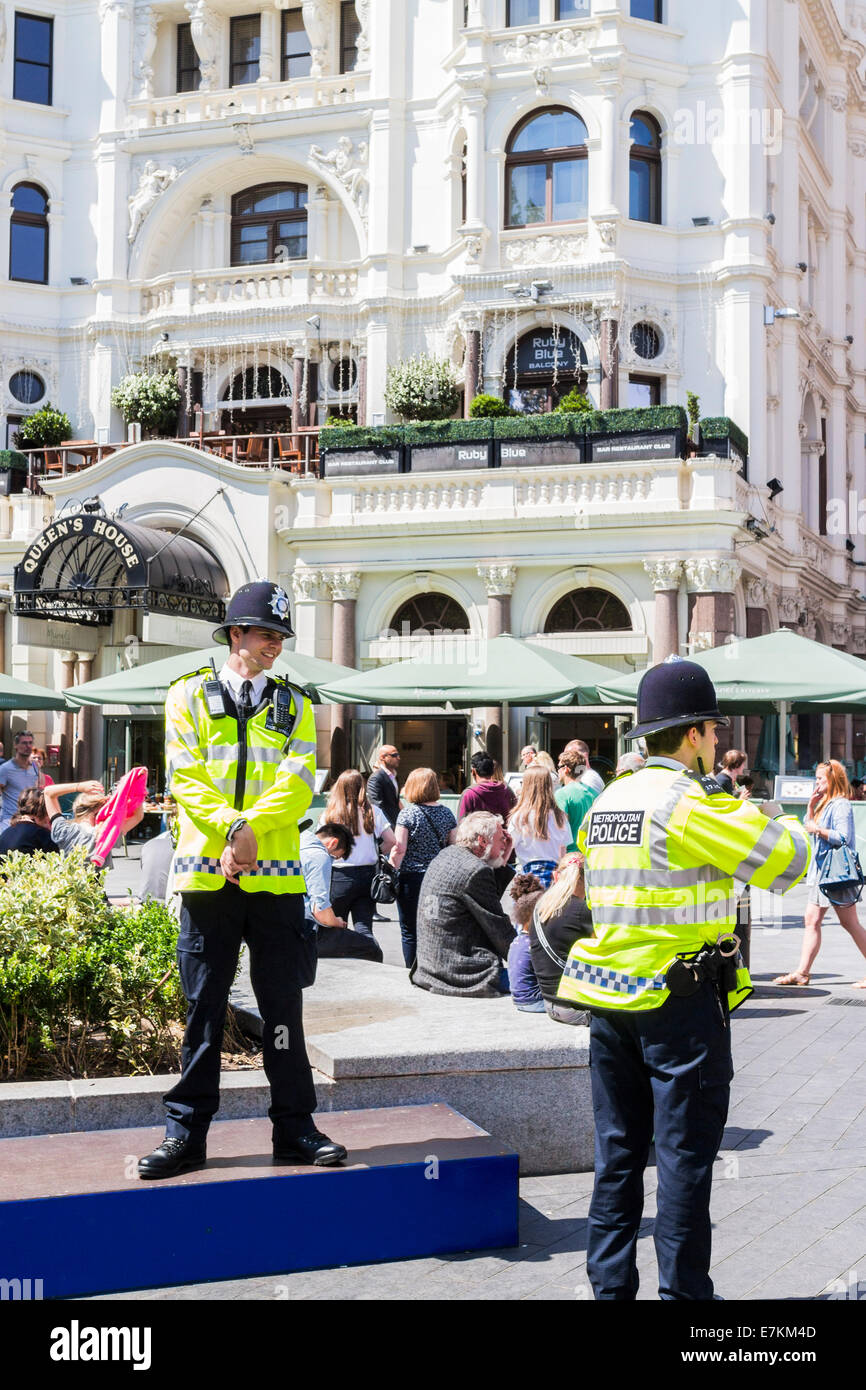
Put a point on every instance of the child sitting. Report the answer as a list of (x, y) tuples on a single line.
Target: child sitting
[(525, 890)]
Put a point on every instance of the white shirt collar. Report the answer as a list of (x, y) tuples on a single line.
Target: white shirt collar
[(234, 681)]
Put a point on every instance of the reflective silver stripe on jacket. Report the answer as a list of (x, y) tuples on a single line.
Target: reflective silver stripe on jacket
[(770, 837), (795, 869), (301, 747), (661, 818), (231, 752), (657, 878), (610, 915), (208, 864), (601, 977)]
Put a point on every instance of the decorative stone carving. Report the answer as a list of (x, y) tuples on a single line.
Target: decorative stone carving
[(857, 146), (542, 81), (308, 586), (317, 16), (859, 641), (474, 241), (712, 574), (540, 48), (205, 31), (349, 164), (664, 573), (840, 633), (344, 584), (702, 641), (791, 606), (545, 250), (244, 136), (121, 7), (607, 230), (146, 26), (665, 323), (757, 593), (498, 579), (362, 10), (838, 101), (152, 184)]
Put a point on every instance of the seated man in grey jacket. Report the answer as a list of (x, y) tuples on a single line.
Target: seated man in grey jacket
[(463, 934)]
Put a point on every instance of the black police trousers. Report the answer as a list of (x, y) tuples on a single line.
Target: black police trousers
[(212, 926), (662, 1073)]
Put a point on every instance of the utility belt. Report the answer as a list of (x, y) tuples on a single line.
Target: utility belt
[(716, 963)]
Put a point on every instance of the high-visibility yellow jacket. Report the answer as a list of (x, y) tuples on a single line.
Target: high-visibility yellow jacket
[(663, 847), (217, 771)]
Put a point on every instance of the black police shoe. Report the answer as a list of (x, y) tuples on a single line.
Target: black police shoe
[(314, 1148), (172, 1157)]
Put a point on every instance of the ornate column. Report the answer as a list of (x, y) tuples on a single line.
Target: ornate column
[(472, 364), (472, 116), (299, 404), (204, 26), (343, 586), (609, 363), (146, 27), (665, 575), (84, 738), (317, 22), (712, 580), (499, 581)]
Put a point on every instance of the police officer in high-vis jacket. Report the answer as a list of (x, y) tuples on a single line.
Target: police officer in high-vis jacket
[(660, 976), (241, 758)]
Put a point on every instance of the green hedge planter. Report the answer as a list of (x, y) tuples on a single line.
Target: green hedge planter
[(720, 430), (13, 471)]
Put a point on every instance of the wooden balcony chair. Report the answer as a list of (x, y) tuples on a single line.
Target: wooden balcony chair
[(255, 449)]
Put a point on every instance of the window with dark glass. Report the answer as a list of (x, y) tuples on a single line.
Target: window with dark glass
[(519, 12), (646, 341), (246, 46), (644, 391), (429, 613), (572, 9), (26, 387), (344, 374), (297, 56), (269, 223), (258, 383), (645, 169), (28, 235), (546, 170), (12, 423), (33, 46), (464, 177), (647, 9), (188, 67), (350, 30), (588, 610)]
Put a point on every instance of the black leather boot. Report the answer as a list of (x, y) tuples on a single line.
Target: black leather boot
[(172, 1157), (314, 1148)]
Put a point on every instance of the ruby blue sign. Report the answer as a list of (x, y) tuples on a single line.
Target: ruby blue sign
[(543, 352)]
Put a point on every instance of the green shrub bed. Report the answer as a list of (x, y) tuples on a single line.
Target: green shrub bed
[(82, 987), (721, 427)]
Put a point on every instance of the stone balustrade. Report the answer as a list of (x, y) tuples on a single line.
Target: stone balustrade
[(240, 103), (198, 292)]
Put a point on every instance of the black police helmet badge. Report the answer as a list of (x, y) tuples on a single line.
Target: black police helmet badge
[(260, 604), (675, 692)]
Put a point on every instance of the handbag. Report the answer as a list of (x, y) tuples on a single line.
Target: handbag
[(383, 888), (841, 879)]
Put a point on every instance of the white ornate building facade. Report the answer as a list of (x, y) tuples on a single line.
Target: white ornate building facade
[(278, 200)]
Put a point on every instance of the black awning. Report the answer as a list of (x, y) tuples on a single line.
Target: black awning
[(83, 568)]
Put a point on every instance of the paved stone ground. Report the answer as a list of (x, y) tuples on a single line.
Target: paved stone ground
[(789, 1197)]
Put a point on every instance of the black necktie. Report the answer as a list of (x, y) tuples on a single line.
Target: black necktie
[(245, 701)]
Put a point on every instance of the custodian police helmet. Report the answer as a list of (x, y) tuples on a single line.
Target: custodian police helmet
[(676, 692), (260, 604)]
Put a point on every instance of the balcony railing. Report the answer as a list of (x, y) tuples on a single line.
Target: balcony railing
[(236, 287), (255, 99), (294, 451)]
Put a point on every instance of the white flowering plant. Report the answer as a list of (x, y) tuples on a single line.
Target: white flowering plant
[(422, 388), (150, 398)]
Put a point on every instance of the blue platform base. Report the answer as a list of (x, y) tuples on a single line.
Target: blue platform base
[(420, 1180)]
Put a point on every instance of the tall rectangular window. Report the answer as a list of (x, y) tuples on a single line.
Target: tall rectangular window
[(33, 50), (572, 9), (246, 46), (519, 12), (188, 67), (350, 29), (644, 391), (297, 57), (647, 9)]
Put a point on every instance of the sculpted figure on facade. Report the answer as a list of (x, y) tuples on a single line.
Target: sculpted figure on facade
[(664, 573), (317, 22), (205, 31), (349, 163), (711, 574), (362, 10), (152, 183)]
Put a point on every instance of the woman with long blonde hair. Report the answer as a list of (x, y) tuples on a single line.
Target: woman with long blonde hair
[(352, 876), (560, 917), (830, 822), (539, 829)]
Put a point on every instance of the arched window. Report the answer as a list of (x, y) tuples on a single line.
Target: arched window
[(28, 241), (258, 383), (269, 223), (588, 610), (430, 613), (546, 169), (645, 169)]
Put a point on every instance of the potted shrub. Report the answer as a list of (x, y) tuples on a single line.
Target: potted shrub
[(486, 407), (575, 403), (13, 471), (422, 388), (693, 410), (149, 398), (44, 429)]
